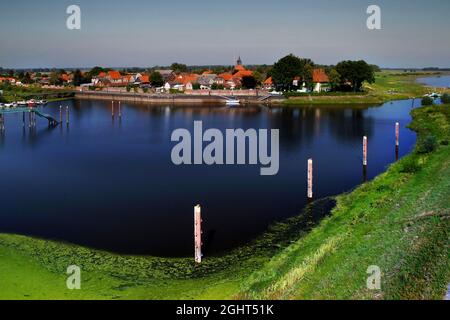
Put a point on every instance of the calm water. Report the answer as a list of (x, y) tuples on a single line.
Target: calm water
[(436, 82), (112, 185)]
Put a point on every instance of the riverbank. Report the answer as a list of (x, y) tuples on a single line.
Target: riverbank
[(398, 222), (388, 86)]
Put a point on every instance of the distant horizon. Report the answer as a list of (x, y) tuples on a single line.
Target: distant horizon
[(205, 66)]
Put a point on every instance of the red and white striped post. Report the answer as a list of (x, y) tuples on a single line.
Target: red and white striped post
[(67, 115), (364, 151), (120, 110), (397, 134), (310, 178), (112, 108), (198, 233)]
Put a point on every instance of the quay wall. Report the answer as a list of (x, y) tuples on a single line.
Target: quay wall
[(169, 98)]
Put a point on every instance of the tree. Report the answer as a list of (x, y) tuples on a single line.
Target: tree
[(26, 78), (335, 78), (355, 72), (286, 69), (248, 82), (78, 78), (95, 71), (55, 79), (179, 67), (156, 79)]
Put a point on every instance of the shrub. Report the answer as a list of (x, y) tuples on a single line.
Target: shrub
[(427, 101), (445, 98), (410, 165), (145, 90), (128, 88), (427, 145)]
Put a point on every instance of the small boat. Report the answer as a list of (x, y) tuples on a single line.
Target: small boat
[(41, 102), (31, 103), (233, 102), (22, 103)]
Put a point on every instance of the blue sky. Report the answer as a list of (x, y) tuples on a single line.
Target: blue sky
[(146, 33)]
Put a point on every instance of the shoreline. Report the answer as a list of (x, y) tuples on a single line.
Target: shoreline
[(370, 210)]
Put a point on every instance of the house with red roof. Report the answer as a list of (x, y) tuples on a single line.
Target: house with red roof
[(320, 78)]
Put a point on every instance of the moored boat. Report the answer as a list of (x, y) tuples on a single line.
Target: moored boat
[(233, 102)]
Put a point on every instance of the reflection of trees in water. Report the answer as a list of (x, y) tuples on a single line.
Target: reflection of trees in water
[(349, 125), (299, 125)]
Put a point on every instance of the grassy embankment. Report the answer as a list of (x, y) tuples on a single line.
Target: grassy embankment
[(388, 86), (17, 93), (398, 222)]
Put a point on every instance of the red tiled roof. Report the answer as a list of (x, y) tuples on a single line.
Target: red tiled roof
[(319, 75), (145, 79), (102, 74), (268, 81), (115, 75), (239, 68), (226, 76), (243, 73), (185, 78)]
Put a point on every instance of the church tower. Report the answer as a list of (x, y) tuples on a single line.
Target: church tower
[(239, 61)]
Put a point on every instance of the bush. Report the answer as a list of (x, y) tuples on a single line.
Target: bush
[(128, 88), (445, 98), (427, 145), (409, 165), (427, 101)]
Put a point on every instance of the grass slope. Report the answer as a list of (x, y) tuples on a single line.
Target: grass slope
[(399, 222)]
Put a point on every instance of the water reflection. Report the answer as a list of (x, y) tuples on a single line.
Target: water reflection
[(108, 182)]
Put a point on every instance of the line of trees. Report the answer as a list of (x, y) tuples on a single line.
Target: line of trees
[(346, 75)]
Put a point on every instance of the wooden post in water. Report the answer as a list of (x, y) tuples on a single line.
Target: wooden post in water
[(67, 115), (120, 110), (364, 151), (60, 114), (198, 233), (397, 134), (397, 140), (112, 109), (23, 119), (310, 179)]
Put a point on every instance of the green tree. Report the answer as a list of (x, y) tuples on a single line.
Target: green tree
[(55, 79), (156, 79), (95, 71), (286, 69), (178, 67), (355, 72), (78, 78), (335, 78), (249, 82)]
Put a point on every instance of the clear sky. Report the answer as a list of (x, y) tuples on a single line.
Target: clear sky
[(209, 32)]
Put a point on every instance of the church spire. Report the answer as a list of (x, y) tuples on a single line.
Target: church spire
[(239, 61)]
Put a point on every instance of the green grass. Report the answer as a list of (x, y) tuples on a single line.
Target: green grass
[(399, 222), (388, 86)]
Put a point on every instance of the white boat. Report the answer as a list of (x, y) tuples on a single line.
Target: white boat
[(22, 103), (41, 102), (233, 102)]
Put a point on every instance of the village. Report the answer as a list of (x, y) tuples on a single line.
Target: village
[(236, 80)]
